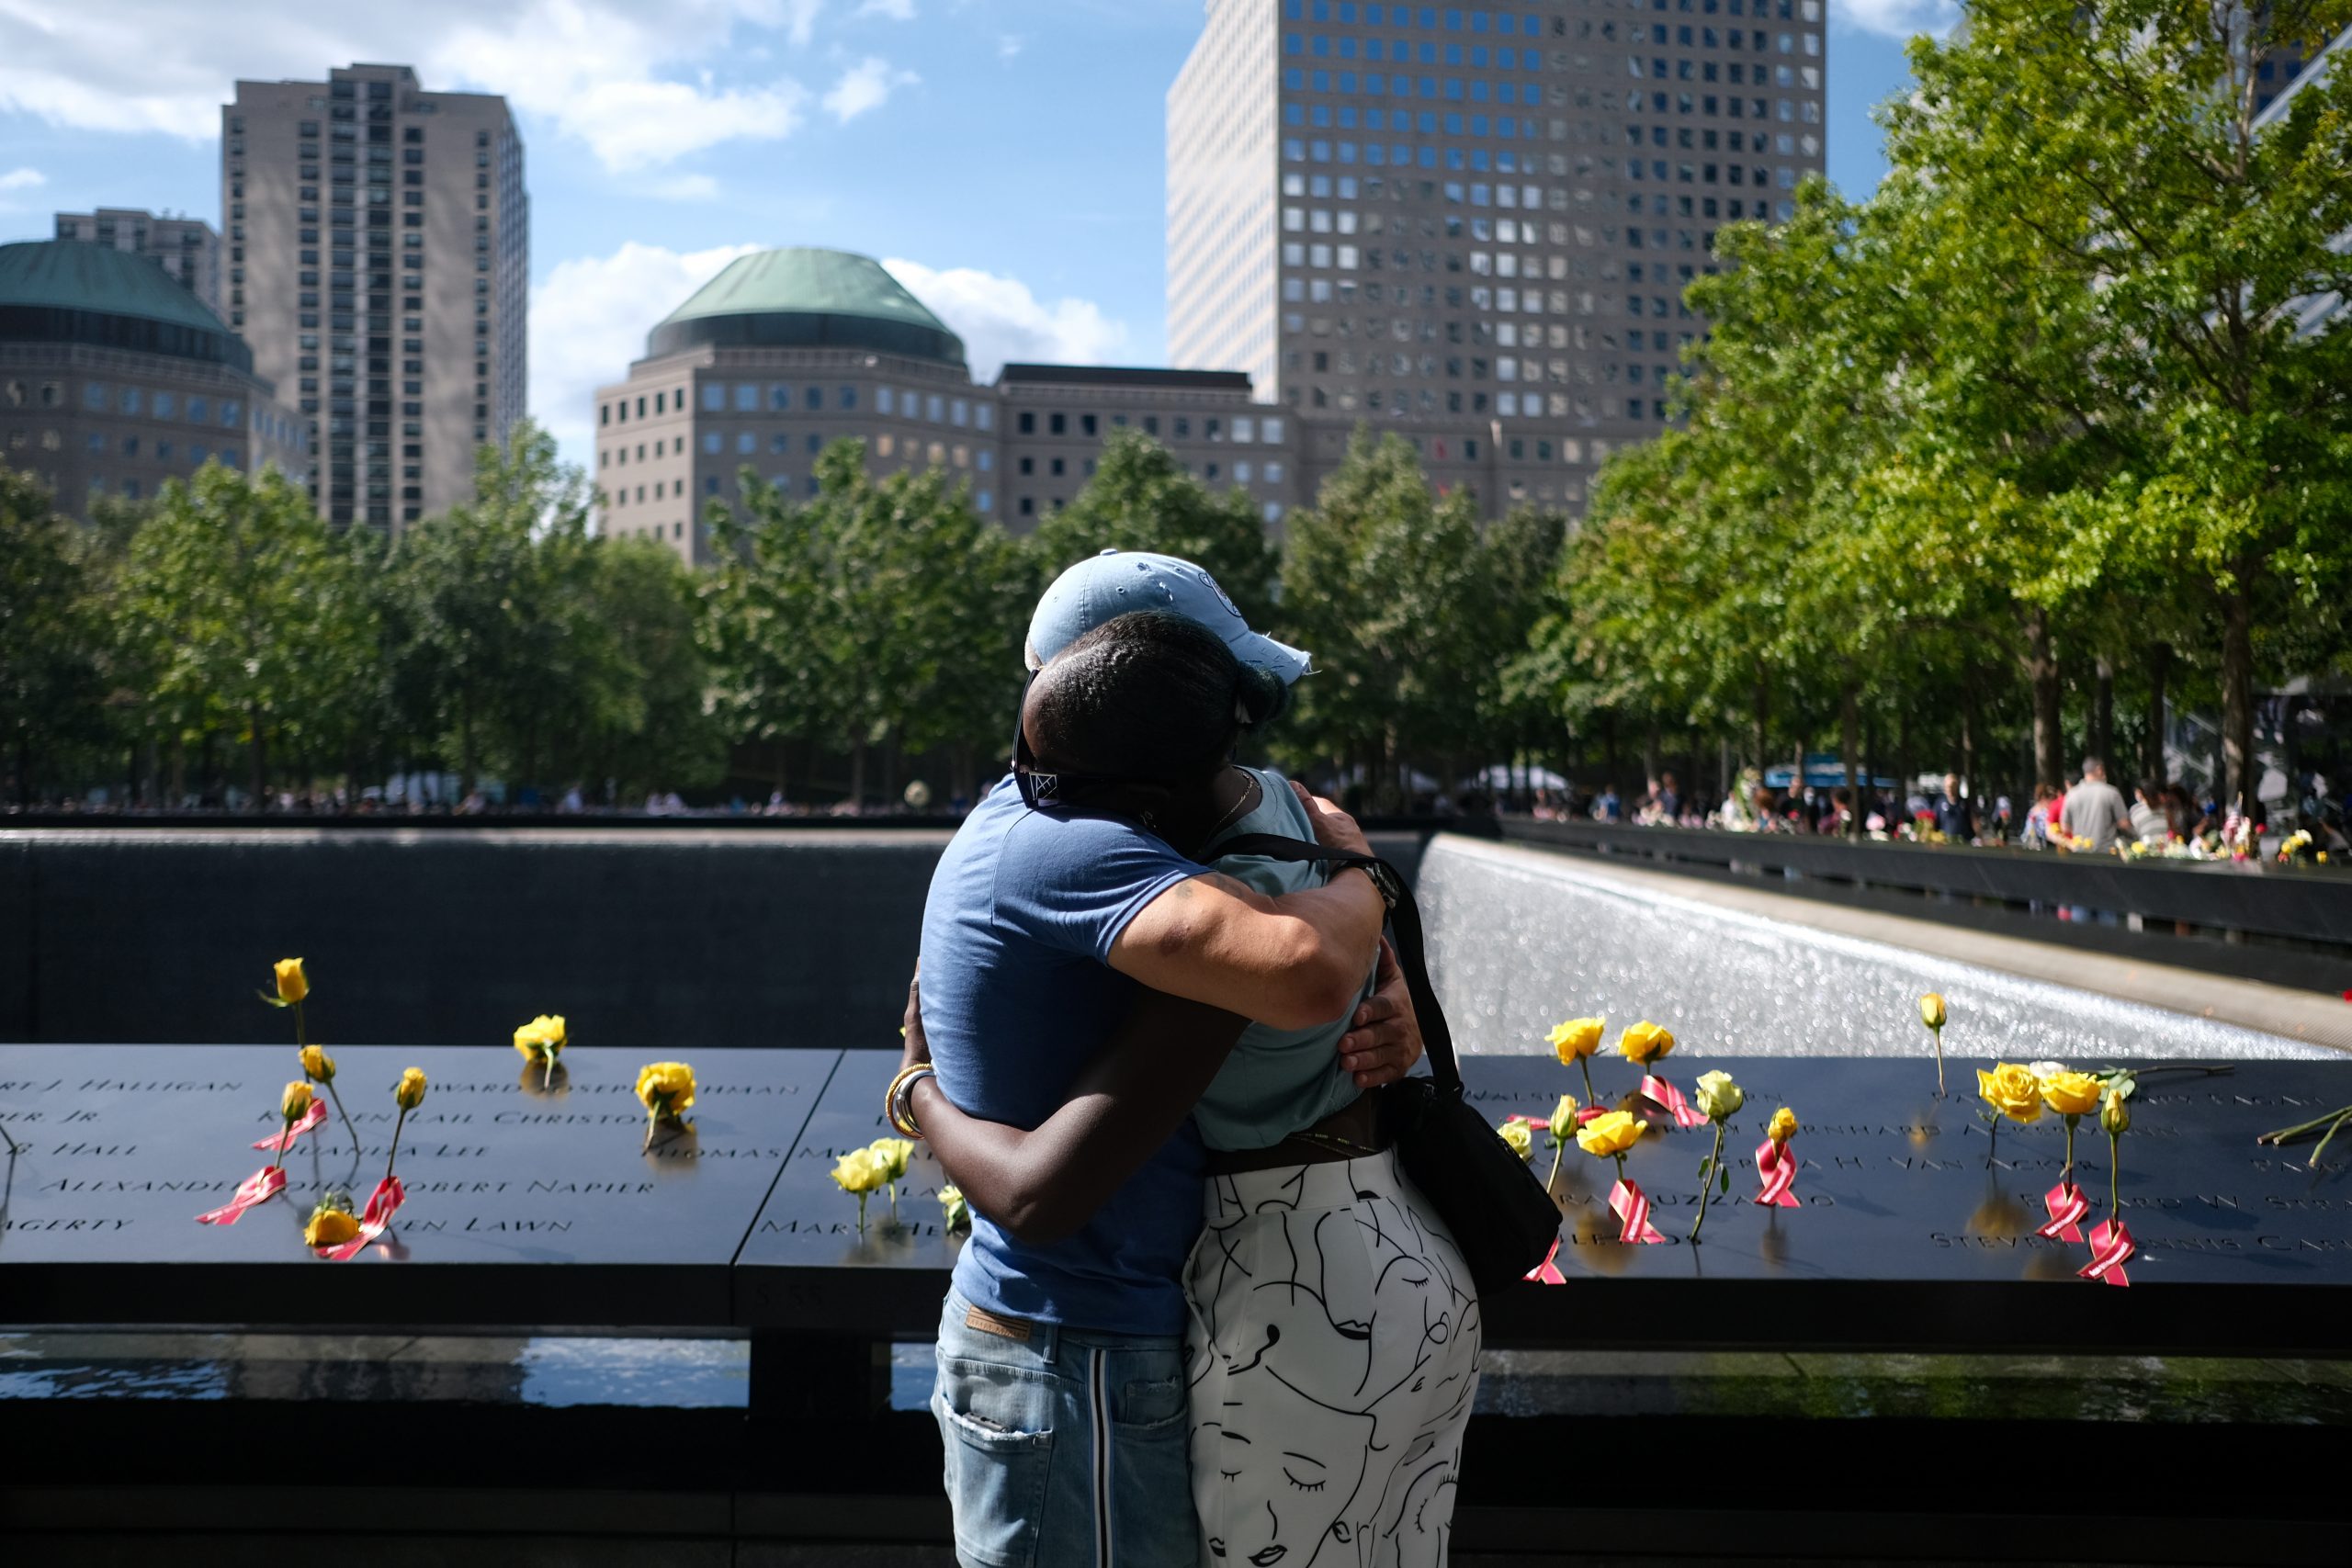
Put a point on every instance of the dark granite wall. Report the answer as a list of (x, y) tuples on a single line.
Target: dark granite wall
[(659, 939)]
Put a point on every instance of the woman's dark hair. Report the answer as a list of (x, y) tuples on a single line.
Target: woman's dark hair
[(1148, 696)]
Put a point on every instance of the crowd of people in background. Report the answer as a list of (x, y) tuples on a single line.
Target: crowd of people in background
[(2090, 815)]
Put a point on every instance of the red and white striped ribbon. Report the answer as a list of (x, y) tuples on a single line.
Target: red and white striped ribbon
[(1778, 1168), (1668, 1099), (1548, 1271), (2068, 1206), (1632, 1206), (2111, 1248), (311, 1120), (254, 1191), (374, 1221)]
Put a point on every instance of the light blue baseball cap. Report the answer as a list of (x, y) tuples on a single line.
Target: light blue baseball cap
[(1119, 582)]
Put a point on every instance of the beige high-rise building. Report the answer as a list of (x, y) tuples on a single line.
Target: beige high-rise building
[(378, 264), (188, 248), (1474, 223)]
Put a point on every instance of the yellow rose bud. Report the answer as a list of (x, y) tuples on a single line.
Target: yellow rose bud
[(1931, 1010), (317, 1063), (331, 1223), (541, 1038), (1720, 1098), (295, 1100), (1563, 1118), (954, 1209), (1521, 1139), (861, 1170), (411, 1092), (292, 984), (2114, 1116), (1644, 1043), (1783, 1126), (2070, 1094), (665, 1087), (1576, 1039), (894, 1154), (2011, 1090), (1612, 1133)]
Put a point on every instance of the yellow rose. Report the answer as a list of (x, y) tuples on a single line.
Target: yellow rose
[(894, 1154), (1521, 1139), (1563, 1118), (317, 1063), (957, 1213), (861, 1170), (2012, 1090), (1720, 1098), (1783, 1126), (331, 1223), (411, 1092), (1612, 1133), (1931, 1010), (665, 1087), (1576, 1039), (2070, 1094), (541, 1038), (2114, 1116), (292, 984), (1644, 1043), (295, 1100)]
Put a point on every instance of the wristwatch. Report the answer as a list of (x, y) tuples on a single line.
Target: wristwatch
[(1383, 879)]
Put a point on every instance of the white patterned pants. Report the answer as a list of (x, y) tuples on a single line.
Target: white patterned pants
[(1333, 1358)]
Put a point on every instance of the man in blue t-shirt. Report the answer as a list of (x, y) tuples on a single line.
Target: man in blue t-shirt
[(1062, 1398)]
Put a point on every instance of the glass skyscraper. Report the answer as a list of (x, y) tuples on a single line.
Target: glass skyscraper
[(1473, 224)]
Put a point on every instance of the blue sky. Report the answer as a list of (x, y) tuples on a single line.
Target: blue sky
[(1003, 156)]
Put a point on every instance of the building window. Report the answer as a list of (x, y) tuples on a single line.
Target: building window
[(714, 398), (780, 398), (1028, 426), (747, 398)]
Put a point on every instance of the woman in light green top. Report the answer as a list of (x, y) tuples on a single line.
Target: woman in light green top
[(1334, 1353)]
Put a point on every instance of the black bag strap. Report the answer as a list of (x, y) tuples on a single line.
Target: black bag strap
[(1405, 919)]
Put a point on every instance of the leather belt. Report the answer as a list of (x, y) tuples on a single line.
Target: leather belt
[(1357, 1129)]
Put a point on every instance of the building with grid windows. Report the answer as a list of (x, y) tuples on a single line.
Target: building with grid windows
[(378, 241), (788, 351), (114, 378), (1473, 224), (187, 248)]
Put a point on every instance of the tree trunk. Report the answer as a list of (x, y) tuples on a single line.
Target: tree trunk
[(260, 757), (2152, 745), (1762, 707), (2041, 670), (1849, 718), (2102, 725), (2237, 694), (1968, 779), (857, 773)]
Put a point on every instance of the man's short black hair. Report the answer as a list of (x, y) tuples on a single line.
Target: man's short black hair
[(1148, 696)]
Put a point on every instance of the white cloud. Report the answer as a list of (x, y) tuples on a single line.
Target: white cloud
[(1898, 18), (1008, 46), (618, 74), (589, 321), (896, 10), (999, 320), (25, 178), (865, 86)]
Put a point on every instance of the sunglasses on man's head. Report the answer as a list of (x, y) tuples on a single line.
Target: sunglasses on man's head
[(1045, 789)]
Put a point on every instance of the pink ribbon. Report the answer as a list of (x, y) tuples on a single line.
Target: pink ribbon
[(1548, 1271), (374, 1221), (2068, 1206), (2111, 1248), (1778, 1168), (254, 1191), (1632, 1206), (283, 1140), (1668, 1099)]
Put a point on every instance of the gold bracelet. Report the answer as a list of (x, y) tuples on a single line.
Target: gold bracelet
[(898, 1105)]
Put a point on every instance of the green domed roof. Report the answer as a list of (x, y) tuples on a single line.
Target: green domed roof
[(63, 290), (807, 297)]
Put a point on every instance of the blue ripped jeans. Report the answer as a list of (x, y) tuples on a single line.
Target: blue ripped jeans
[(1065, 1450)]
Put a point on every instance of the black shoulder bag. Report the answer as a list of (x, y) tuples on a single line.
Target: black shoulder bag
[(1501, 1217)]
